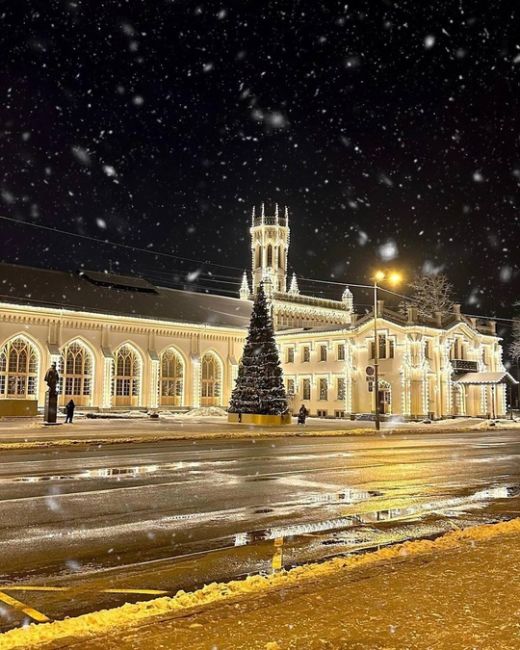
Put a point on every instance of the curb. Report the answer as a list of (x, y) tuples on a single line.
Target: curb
[(89, 626)]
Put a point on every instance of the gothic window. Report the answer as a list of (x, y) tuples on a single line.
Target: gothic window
[(306, 388), (18, 369), (76, 368), (323, 389), (171, 378), (269, 255), (127, 376), (211, 380)]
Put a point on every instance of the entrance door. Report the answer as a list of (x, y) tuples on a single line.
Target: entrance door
[(384, 401)]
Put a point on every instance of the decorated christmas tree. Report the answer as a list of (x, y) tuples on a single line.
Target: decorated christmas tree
[(259, 387)]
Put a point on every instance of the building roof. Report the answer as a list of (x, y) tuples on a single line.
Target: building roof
[(95, 292), (482, 378)]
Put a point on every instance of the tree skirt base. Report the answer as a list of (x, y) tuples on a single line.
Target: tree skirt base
[(260, 420)]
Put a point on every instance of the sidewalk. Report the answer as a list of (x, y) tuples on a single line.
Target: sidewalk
[(459, 591), (30, 433)]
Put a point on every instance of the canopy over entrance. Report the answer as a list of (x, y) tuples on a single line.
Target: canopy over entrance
[(486, 378)]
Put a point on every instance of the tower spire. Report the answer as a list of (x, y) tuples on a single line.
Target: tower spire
[(348, 299), (294, 290), (244, 288), (269, 249)]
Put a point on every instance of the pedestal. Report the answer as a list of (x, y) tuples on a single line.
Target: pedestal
[(51, 408)]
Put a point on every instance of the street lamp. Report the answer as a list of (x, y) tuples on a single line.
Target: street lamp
[(393, 278)]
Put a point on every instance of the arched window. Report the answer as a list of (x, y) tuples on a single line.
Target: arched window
[(19, 369), (269, 255), (76, 370), (127, 379), (211, 380), (172, 378)]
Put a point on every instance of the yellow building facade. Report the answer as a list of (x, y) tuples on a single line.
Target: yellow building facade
[(122, 343)]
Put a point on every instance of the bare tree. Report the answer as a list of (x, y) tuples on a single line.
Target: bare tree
[(514, 348), (430, 294)]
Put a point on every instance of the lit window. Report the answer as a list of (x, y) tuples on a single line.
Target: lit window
[(323, 389), (18, 369), (211, 380), (172, 378), (341, 387), (127, 376), (76, 369)]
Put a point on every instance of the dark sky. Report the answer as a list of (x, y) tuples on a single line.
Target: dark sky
[(390, 129)]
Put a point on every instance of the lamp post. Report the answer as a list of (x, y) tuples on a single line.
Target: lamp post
[(394, 279)]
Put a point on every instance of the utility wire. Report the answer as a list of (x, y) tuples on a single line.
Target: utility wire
[(150, 251), (112, 243)]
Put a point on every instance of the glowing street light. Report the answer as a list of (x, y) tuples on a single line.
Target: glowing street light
[(393, 278)]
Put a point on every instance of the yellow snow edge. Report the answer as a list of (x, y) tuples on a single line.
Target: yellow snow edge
[(88, 626)]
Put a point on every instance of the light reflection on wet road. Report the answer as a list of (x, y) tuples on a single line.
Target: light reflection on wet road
[(146, 516)]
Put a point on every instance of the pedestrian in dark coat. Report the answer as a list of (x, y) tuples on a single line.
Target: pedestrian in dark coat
[(70, 411), (302, 414)]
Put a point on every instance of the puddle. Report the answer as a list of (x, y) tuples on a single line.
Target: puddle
[(105, 472), (360, 524)]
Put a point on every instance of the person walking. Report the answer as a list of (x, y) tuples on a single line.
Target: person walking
[(70, 411), (302, 415)]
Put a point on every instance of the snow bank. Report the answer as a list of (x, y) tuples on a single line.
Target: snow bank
[(206, 411), (106, 621)]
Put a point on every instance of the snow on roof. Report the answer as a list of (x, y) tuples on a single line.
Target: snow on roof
[(118, 295), (482, 378)]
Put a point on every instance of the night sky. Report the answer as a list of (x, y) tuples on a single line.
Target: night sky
[(390, 129)]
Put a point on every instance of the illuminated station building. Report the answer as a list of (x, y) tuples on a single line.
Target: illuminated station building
[(121, 342)]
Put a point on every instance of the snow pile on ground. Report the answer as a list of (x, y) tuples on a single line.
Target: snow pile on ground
[(98, 623), (206, 411)]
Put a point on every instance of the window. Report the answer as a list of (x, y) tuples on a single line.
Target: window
[(290, 386), (341, 387), (306, 388), (210, 380), (18, 369), (427, 350), (386, 347), (269, 255), (127, 376), (382, 346), (290, 355), (306, 353), (323, 388), (339, 414), (323, 353), (341, 352), (76, 370), (172, 378), (321, 413)]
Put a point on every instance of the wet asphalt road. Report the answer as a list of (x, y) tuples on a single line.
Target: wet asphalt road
[(157, 517)]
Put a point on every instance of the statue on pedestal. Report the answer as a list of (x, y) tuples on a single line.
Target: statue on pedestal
[(52, 378)]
